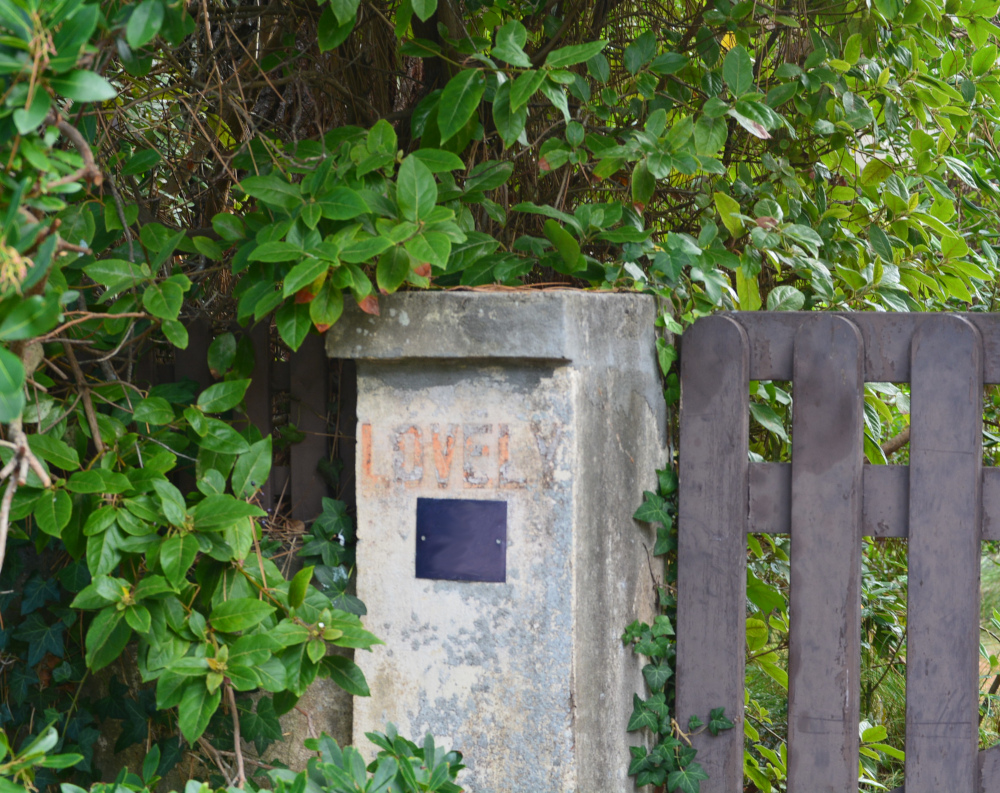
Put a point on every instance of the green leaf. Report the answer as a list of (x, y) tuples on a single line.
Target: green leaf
[(197, 706), (54, 451), (424, 8), (432, 247), (53, 510), (28, 118), (574, 53), (687, 779), (144, 24), (346, 674), (216, 512), (509, 122), (141, 161), (303, 274), (657, 675), (177, 554), (875, 734), (164, 300), (653, 510), (524, 87), (273, 190), (252, 469), (511, 39), (98, 480), (416, 190), (239, 614), (737, 71), (175, 332), (228, 226), (984, 59), (345, 10), (440, 161), (11, 386), (556, 94), (775, 672), (342, 203), (277, 251), (299, 586), (459, 101), (208, 248), (106, 638), (785, 298), (717, 721), (641, 717), (393, 268), (325, 309), (223, 396), (153, 410), (172, 501), (953, 247), (566, 244), (640, 52), (767, 418), (852, 49), (875, 172), (643, 183), (764, 596), (138, 618), (293, 323), (41, 637), (103, 554), (330, 32), (83, 86), (880, 243)]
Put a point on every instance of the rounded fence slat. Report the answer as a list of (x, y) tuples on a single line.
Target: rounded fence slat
[(825, 599), (942, 683), (712, 515)]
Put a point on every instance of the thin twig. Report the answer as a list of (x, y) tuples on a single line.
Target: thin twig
[(241, 777), (120, 210), (214, 754), (16, 472), (89, 171), (88, 403)]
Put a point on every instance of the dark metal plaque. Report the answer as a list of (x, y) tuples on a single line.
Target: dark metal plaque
[(461, 540)]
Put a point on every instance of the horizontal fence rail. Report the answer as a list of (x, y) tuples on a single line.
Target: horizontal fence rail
[(886, 336), (944, 502)]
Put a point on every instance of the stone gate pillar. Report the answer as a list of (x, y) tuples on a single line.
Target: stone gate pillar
[(504, 441)]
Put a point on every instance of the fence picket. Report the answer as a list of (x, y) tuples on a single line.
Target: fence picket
[(309, 397), (825, 607), (944, 546), (711, 599)]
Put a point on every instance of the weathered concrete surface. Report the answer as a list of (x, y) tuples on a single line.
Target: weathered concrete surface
[(550, 402)]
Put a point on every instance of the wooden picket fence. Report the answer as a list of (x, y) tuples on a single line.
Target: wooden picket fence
[(945, 502), (302, 386)]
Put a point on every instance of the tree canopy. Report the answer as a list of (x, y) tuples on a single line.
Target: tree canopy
[(268, 161)]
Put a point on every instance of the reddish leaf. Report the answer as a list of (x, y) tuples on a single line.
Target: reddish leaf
[(321, 328), (305, 295), (543, 165), (369, 305), (423, 270)]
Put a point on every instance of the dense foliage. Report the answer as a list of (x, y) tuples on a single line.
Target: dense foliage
[(266, 162)]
